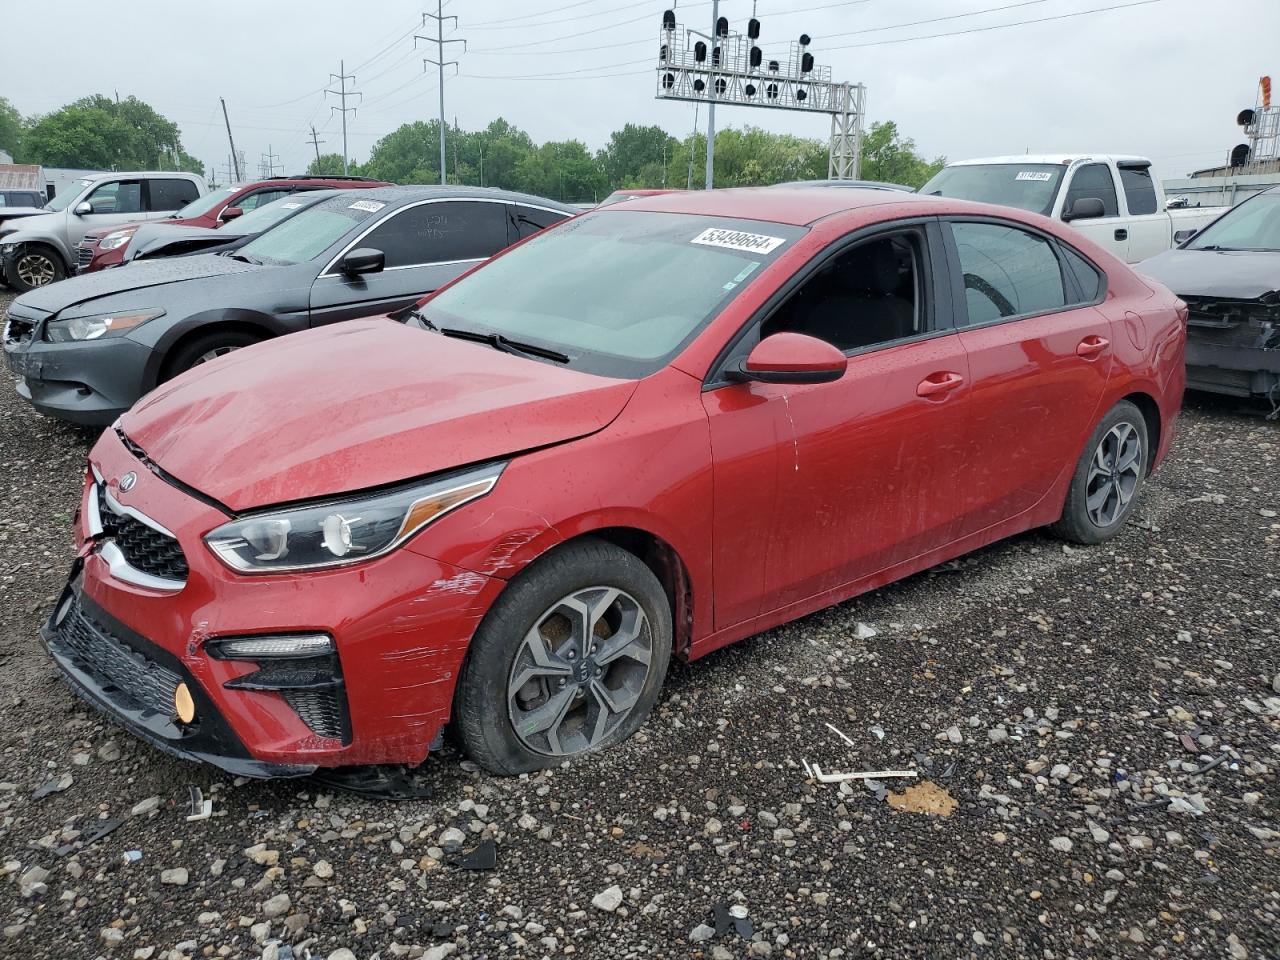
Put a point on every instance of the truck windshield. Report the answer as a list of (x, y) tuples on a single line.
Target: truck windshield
[(619, 292), (1254, 225), (1027, 186), (63, 199)]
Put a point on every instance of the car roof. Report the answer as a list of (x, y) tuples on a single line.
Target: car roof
[(1058, 159), (798, 206), (409, 194)]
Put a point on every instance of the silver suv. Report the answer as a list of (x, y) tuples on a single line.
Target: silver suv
[(38, 250)]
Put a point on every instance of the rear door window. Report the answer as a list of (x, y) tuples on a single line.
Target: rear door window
[(1139, 190), (1093, 180), (1007, 272), (171, 193), (441, 233)]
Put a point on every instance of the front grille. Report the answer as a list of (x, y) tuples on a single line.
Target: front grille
[(84, 256), (145, 548), (321, 710), (122, 671)]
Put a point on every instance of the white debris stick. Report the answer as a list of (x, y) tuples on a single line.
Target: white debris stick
[(858, 775), (843, 736)]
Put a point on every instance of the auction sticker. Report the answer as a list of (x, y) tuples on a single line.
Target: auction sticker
[(1039, 175), (369, 206), (290, 206), (737, 240)]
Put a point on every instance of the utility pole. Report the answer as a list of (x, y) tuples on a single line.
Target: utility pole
[(235, 157), (440, 62), (711, 95), (692, 141), (266, 165), (315, 141), (341, 78)]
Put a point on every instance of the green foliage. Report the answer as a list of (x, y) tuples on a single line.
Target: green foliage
[(12, 127), (99, 132), (330, 165), (638, 157), (890, 157)]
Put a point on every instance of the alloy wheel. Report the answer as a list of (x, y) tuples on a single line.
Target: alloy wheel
[(34, 269), (579, 671), (213, 355), (1114, 474)]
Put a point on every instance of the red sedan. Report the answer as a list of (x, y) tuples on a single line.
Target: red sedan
[(650, 431)]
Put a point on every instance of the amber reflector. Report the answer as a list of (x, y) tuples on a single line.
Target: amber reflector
[(183, 705)]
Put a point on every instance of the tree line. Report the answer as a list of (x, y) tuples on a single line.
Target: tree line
[(99, 132)]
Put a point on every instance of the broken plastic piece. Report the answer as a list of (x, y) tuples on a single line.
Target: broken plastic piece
[(725, 917), (98, 831), (386, 782), (483, 857), (132, 856), (843, 736), (201, 809), (56, 785), (858, 775)]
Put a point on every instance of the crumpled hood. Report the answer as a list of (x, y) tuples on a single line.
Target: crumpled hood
[(1240, 274), (139, 276), (157, 236), (358, 405)]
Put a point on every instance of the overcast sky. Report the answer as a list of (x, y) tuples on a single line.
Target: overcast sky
[(1163, 78)]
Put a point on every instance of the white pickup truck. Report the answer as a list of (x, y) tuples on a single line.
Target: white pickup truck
[(1113, 200)]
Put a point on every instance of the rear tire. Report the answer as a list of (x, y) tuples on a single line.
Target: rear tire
[(541, 684), (34, 265), (206, 347), (1108, 479)]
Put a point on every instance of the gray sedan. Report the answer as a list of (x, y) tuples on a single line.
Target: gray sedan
[(86, 349)]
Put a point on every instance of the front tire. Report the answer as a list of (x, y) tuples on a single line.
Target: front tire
[(569, 660), (1108, 479), (33, 266), (206, 347)]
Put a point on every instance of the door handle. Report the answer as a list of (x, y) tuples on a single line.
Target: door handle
[(1091, 346), (939, 383), (1122, 234)]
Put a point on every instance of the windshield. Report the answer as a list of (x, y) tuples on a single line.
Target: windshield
[(1254, 225), (267, 215), (63, 200), (202, 205), (619, 292), (1027, 186), (311, 232)]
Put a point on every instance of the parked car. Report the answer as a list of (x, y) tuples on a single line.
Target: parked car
[(858, 184), (106, 246), (651, 431), (39, 250), (16, 204), (1229, 275), (155, 240), (1115, 201), (86, 349)]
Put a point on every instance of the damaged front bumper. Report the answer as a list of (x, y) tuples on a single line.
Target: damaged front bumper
[(1233, 346)]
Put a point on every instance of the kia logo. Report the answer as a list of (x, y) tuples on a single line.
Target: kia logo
[(127, 482)]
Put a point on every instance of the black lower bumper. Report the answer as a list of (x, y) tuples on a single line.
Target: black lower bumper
[(1231, 368), (126, 677)]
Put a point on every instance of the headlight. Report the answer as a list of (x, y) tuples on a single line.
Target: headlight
[(344, 531), (117, 238), (98, 325)]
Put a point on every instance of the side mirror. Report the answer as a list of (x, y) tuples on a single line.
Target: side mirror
[(83, 208), (362, 260), (1182, 236), (230, 213), (791, 358), (1086, 208)]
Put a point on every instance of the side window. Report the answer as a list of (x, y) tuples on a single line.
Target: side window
[(262, 197), (439, 232), (1139, 191), (119, 196), (170, 194), (1007, 272), (866, 296), (1086, 274), (1094, 180), (529, 220)]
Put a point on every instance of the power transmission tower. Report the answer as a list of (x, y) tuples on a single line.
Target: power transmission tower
[(315, 142), (440, 62), (341, 78), (230, 170), (267, 165)]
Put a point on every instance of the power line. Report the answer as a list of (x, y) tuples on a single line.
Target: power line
[(543, 13), (341, 77)]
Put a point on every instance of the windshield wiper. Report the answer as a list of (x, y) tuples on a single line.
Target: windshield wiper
[(1216, 248), (244, 258), (505, 344)]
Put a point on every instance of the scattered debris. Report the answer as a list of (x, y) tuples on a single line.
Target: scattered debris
[(726, 918), (1220, 758), (817, 774), (132, 856), (864, 631), (483, 857), (201, 809), (843, 736), (56, 785), (924, 797), (1188, 743)]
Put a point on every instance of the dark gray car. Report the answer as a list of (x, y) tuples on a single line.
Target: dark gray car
[(86, 349), (1229, 276)]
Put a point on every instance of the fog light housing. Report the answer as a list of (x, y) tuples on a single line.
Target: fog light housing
[(267, 648)]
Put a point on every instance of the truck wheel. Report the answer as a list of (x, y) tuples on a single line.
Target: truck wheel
[(206, 347), (33, 266), (569, 660), (1108, 478)]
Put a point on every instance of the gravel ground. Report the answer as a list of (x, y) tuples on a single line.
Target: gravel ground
[(1060, 704)]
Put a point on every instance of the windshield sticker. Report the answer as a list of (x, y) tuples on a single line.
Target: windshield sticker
[(742, 274), (369, 206), (737, 240), (1039, 175)]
